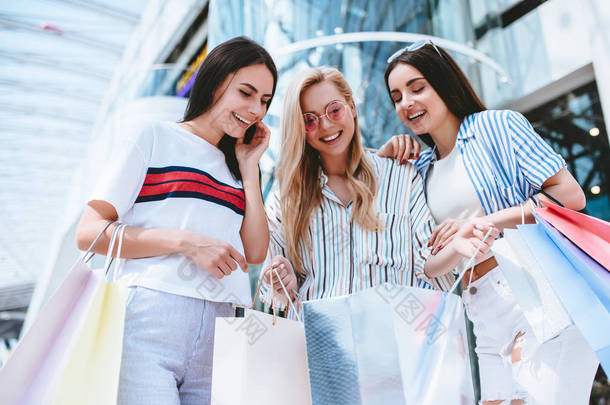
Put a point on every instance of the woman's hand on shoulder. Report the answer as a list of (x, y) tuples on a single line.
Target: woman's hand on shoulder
[(213, 255), (249, 154), (284, 269), (400, 148)]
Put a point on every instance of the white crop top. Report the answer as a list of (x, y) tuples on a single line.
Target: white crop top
[(450, 193)]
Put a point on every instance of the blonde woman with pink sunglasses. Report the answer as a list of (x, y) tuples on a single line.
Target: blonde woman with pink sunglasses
[(341, 219)]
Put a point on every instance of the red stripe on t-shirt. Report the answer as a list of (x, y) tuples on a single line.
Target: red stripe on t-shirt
[(184, 175), (190, 186)]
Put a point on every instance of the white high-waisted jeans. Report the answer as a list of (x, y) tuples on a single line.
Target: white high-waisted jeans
[(558, 372)]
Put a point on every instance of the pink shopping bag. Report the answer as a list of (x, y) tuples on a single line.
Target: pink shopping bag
[(590, 234), (35, 373)]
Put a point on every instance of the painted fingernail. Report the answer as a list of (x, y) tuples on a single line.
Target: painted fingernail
[(402, 162), (429, 244)]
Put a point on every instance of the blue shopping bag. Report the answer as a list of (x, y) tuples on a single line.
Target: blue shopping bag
[(594, 274), (388, 345), (578, 281)]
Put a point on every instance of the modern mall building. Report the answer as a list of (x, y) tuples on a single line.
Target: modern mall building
[(550, 60)]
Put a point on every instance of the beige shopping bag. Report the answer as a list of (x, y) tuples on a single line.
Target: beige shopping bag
[(92, 374)]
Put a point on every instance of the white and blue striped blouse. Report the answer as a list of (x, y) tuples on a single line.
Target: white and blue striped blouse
[(345, 258), (507, 161)]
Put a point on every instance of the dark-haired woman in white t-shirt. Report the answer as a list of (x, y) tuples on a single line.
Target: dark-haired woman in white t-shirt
[(190, 195)]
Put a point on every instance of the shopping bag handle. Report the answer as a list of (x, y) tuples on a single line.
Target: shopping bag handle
[(470, 265), (550, 197), (260, 284), (258, 289), (296, 312), (118, 231), (89, 254)]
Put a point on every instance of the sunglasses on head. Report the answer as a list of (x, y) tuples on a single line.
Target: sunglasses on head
[(414, 47), (335, 111)]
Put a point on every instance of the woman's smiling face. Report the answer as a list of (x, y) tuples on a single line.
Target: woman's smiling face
[(416, 102), (331, 138), (241, 100)]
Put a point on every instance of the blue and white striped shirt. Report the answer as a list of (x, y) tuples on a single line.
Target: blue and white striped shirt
[(344, 258), (506, 160)]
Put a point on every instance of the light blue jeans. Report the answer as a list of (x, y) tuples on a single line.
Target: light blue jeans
[(168, 345)]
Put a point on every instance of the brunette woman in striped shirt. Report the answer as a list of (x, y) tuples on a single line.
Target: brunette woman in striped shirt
[(495, 162)]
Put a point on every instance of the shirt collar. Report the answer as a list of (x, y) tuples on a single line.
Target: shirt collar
[(328, 193), (323, 179), (466, 128)]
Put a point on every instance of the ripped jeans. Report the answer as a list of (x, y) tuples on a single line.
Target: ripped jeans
[(512, 363)]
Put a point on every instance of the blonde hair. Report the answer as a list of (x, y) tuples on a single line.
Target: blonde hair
[(299, 167)]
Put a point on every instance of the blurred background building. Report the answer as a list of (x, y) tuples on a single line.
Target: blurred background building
[(57, 60), (114, 62)]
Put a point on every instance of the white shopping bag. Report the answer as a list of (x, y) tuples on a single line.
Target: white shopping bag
[(541, 306), (259, 362), (260, 359)]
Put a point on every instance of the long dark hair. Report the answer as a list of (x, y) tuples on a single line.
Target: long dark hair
[(444, 75), (226, 58)]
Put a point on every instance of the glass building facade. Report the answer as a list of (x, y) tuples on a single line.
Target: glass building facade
[(526, 39), (515, 34), (542, 44), (277, 24), (573, 125)]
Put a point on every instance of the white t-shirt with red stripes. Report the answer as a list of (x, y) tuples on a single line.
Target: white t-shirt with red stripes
[(167, 177)]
